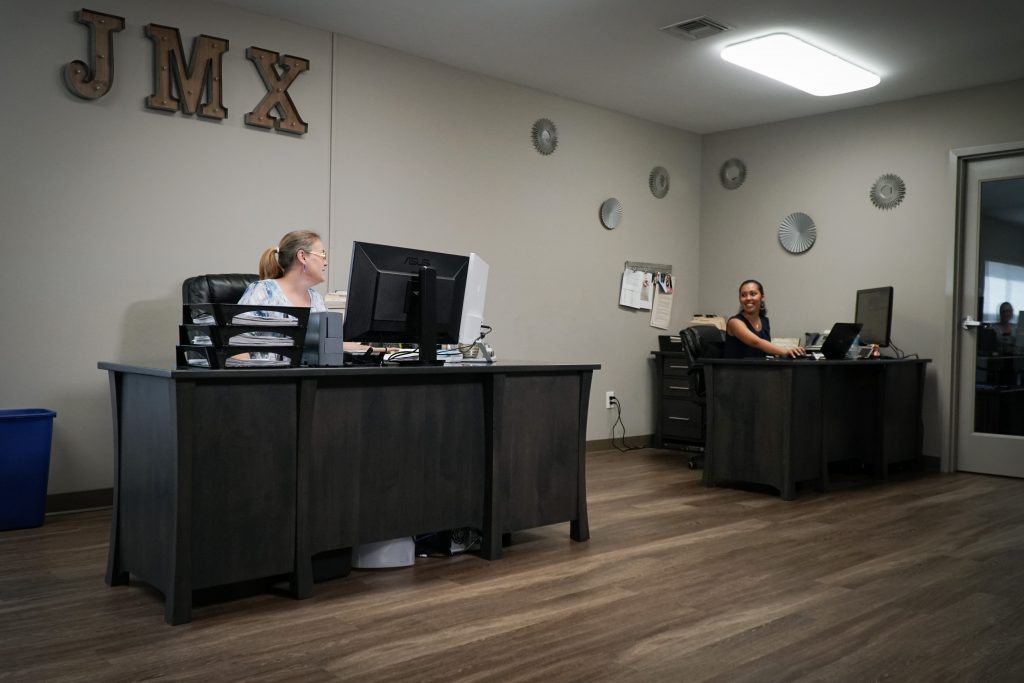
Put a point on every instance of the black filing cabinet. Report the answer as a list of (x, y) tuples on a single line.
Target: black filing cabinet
[(680, 411)]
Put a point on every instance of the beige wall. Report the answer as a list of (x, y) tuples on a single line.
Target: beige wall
[(432, 157), (108, 205), (824, 166)]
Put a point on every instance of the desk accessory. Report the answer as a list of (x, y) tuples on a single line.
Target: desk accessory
[(212, 335)]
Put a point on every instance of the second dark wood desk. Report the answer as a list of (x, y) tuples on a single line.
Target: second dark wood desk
[(779, 422)]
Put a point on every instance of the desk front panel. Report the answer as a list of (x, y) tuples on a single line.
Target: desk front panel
[(759, 415), (243, 494), (395, 457), (206, 480), (537, 459)]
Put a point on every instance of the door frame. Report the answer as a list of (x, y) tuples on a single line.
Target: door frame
[(960, 159)]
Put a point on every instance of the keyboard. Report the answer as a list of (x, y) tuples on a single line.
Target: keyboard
[(357, 359)]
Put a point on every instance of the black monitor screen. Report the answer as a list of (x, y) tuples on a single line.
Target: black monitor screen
[(874, 311), (384, 294)]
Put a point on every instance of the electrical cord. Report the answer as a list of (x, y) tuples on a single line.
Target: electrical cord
[(466, 348), (625, 448), (899, 352)]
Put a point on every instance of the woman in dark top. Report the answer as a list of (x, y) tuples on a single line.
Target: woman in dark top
[(748, 334)]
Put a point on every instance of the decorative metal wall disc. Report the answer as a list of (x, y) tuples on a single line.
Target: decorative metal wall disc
[(888, 191), (797, 233), (544, 136), (732, 174), (611, 213), (658, 182)]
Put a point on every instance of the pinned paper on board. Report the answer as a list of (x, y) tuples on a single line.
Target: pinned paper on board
[(648, 287), (636, 289), (661, 311)]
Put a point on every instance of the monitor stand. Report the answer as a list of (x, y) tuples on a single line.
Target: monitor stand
[(426, 317)]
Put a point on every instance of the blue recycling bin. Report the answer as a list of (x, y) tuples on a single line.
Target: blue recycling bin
[(25, 437)]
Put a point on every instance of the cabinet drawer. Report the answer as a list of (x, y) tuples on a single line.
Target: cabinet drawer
[(677, 387), (682, 419), (675, 367)]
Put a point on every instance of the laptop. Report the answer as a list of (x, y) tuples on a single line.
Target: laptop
[(839, 340)]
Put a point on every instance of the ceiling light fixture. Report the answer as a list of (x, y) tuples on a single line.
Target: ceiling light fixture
[(799, 64)]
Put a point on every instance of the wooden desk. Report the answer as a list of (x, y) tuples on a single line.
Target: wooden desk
[(225, 476), (779, 422)]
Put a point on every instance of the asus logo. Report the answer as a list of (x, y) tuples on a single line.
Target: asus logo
[(413, 261)]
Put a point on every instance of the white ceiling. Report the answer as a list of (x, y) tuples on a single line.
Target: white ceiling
[(610, 53)]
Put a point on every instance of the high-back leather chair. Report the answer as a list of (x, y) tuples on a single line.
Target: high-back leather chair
[(216, 289)]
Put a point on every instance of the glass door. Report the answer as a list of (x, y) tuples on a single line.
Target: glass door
[(991, 381)]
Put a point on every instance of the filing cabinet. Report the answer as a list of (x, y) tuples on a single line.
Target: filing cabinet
[(681, 413)]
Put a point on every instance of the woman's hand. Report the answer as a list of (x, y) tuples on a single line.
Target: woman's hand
[(795, 352)]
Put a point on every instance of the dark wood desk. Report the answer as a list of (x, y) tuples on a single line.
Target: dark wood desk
[(225, 476), (779, 422)]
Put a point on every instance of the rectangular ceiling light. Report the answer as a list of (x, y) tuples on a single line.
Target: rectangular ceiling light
[(799, 64)]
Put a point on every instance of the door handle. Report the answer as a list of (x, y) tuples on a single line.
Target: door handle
[(969, 323)]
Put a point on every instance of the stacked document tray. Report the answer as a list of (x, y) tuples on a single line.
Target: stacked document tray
[(219, 336)]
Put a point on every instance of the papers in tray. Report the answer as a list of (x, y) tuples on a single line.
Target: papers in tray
[(259, 339), (257, 362), (254, 318)]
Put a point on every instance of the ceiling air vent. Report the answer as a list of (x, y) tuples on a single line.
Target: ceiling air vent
[(695, 29)]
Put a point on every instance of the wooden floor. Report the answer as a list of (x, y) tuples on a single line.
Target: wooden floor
[(919, 579)]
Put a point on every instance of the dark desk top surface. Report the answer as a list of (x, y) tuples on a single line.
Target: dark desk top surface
[(498, 367), (799, 362)]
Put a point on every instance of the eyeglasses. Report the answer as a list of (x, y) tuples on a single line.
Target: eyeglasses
[(321, 254)]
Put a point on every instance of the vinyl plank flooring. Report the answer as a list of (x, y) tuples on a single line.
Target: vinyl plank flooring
[(914, 579)]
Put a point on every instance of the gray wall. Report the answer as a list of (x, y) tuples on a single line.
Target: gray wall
[(108, 205), (429, 156), (824, 166)]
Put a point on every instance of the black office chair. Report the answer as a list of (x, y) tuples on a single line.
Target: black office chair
[(700, 341), (216, 289)]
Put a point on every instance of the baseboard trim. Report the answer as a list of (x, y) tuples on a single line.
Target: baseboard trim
[(76, 501), (642, 441)]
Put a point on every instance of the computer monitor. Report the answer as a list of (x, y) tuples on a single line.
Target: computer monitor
[(398, 294), (874, 312), (473, 302)]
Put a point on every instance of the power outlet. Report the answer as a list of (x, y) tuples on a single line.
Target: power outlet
[(609, 399)]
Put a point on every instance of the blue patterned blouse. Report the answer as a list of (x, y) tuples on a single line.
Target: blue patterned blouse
[(270, 293)]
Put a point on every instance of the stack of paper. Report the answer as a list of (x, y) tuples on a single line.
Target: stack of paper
[(274, 362), (261, 318), (259, 339)]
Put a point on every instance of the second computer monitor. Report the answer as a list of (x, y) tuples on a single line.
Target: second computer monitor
[(874, 312), (473, 303)]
